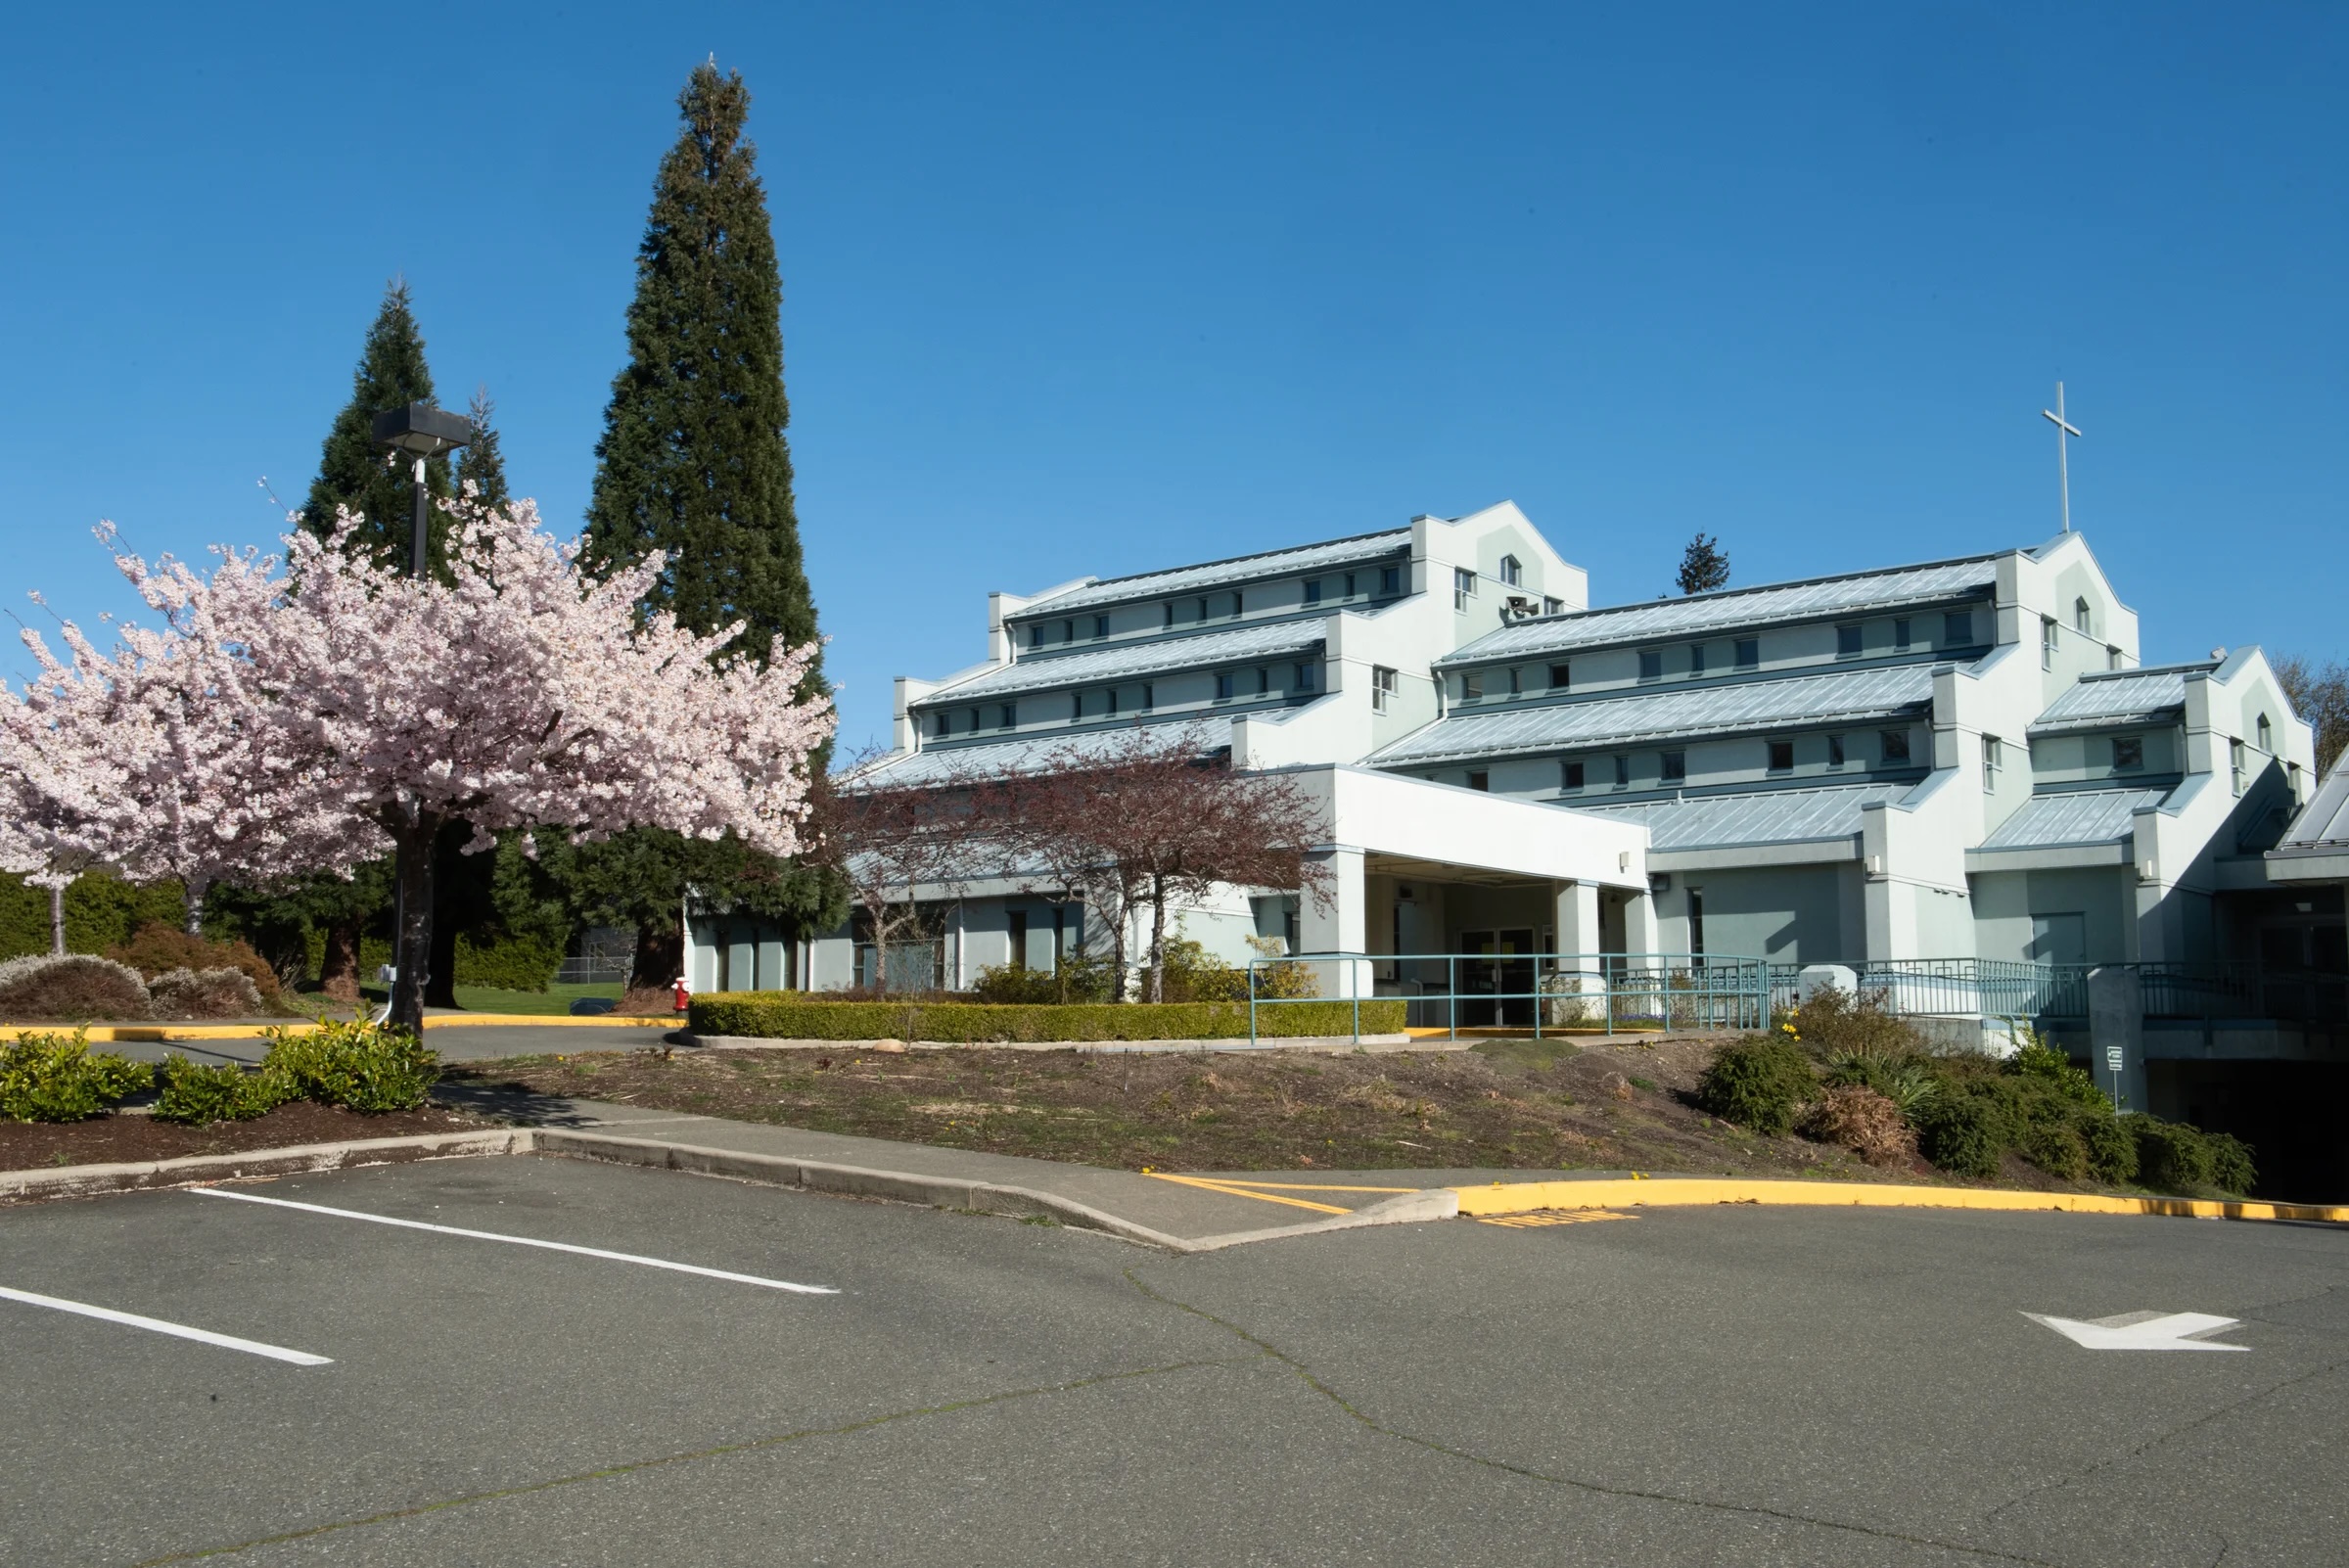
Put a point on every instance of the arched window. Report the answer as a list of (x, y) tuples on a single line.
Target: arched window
[(2082, 618)]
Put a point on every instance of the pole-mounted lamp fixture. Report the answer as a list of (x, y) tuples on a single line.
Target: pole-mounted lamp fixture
[(423, 432)]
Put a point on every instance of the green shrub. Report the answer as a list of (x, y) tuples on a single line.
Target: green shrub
[(2111, 1147), (795, 1015), (1758, 1082), (1836, 1022), (199, 1095), (1908, 1082), (2037, 1060), (498, 961), (157, 949), (1966, 1133), (364, 1067), (55, 1078), (101, 910), (2174, 1157), (1080, 978), (205, 993)]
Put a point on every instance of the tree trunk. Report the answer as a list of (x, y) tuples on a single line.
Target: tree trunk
[(338, 968), (659, 956), (57, 918), (192, 891), (412, 940), (1158, 939)]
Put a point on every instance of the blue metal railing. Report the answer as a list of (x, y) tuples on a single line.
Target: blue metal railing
[(1958, 988), (1543, 993)]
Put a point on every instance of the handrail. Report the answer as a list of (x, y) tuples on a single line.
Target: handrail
[(1548, 990)]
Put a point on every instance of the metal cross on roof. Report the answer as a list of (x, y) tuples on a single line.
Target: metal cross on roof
[(2064, 429)]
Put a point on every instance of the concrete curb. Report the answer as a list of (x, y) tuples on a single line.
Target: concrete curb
[(1527, 1197), (92, 1180), (1299, 1042), (952, 1192)]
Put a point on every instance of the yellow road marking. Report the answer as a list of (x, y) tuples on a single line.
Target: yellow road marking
[(1306, 1186), (1242, 1192), (1525, 1198), (1570, 1217), (164, 1033)]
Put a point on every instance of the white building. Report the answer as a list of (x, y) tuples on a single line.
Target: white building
[(1958, 759)]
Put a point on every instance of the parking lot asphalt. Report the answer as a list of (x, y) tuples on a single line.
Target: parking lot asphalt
[(1685, 1386)]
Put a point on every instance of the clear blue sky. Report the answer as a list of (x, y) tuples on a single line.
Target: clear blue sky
[(1099, 288)]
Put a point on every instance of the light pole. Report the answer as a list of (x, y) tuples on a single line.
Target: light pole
[(422, 432)]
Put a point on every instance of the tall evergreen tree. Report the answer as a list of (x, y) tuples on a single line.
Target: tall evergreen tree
[(351, 469), (1704, 566), (483, 463), (694, 462), (693, 459)]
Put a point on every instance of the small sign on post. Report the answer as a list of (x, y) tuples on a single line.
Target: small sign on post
[(2114, 1060)]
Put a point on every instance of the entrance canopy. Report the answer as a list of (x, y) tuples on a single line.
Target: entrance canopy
[(1412, 827)]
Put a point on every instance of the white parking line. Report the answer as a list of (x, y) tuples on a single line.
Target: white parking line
[(519, 1242), (203, 1336)]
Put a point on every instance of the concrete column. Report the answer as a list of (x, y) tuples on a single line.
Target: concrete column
[(1639, 923), (1341, 925), (2116, 1034), (1577, 918), (1577, 971)]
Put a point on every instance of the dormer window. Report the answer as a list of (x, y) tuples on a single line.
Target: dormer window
[(1313, 590), (941, 724), (1390, 581), (1203, 609), (1749, 653), (2083, 621), (1169, 613), (1100, 628), (1236, 604), (1696, 659), (1957, 628), (1512, 570), (1075, 705), (1306, 678), (1561, 675), (1848, 642), (2128, 753), (1011, 715), (1517, 685), (1651, 664), (1035, 636), (1067, 631), (1472, 686)]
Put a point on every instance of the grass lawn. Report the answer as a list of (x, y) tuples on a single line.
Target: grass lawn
[(553, 999), (1525, 1104)]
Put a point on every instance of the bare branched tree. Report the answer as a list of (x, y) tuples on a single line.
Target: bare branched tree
[(905, 849), (2319, 694)]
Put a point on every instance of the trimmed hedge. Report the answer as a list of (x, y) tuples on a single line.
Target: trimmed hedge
[(793, 1015)]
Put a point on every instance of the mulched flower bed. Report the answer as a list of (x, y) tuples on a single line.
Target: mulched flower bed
[(123, 1139), (1516, 1104)]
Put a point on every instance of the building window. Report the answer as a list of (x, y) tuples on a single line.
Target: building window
[(1238, 605), (1472, 686), (1149, 696), (1304, 677), (2112, 659), (1570, 778), (1651, 664), (1390, 581), (1900, 634), (2082, 620), (1075, 705), (1067, 631), (1463, 587), (1035, 636), (1749, 653), (1016, 929), (2046, 642), (1383, 687), (2292, 777), (1109, 702), (1893, 746), (1349, 585), (1994, 755), (1957, 628), (1222, 685), (1479, 779), (1011, 715), (2234, 764), (1847, 642), (1623, 771), (1552, 607), (1834, 751), (1696, 659), (1263, 681), (1517, 684), (1781, 757), (1100, 626), (941, 724), (2128, 753), (1203, 609), (1558, 674), (1513, 571), (1169, 607), (1675, 768), (1696, 922), (974, 720), (2267, 735), (1312, 591)]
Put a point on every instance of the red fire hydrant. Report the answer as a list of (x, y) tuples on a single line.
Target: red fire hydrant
[(684, 996)]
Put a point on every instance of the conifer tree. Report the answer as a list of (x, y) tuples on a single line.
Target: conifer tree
[(483, 463), (694, 462), (351, 469), (1704, 566), (693, 459)]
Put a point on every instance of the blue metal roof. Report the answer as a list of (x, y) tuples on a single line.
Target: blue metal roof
[(2321, 826), (1046, 671), (1789, 815), (1681, 712), (1221, 574), (1734, 609), (946, 764), (2107, 698), (2073, 817)]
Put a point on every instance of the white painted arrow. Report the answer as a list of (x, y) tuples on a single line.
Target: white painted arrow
[(2147, 1331)]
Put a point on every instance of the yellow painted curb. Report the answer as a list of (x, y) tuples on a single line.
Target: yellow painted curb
[(1525, 1198), (164, 1033)]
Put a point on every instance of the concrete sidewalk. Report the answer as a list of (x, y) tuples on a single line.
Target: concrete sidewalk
[(1190, 1205)]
